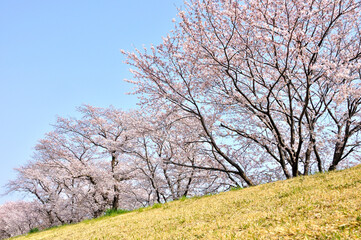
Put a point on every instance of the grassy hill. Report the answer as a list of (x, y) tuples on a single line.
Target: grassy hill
[(322, 206)]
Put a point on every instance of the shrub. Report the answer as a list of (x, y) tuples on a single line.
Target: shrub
[(113, 212), (34, 230)]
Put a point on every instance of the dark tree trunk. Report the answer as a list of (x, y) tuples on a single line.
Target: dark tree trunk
[(295, 172), (337, 156)]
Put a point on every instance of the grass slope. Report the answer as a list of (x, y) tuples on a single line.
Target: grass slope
[(322, 206)]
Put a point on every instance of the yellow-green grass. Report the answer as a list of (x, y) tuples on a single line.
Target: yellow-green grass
[(322, 206)]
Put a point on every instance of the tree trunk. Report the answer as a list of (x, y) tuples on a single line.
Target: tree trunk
[(295, 170), (337, 156)]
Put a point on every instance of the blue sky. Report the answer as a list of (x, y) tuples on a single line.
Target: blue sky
[(57, 55)]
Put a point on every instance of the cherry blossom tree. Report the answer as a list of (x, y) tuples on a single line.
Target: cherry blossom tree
[(71, 175), (20, 217), (165, 158), (276, 78), (106, 131), (65, 179)]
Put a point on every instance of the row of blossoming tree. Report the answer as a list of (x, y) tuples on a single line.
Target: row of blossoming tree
[(239, 93), (107, 159)]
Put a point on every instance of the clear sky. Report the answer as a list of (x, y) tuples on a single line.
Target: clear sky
[(57, 55)]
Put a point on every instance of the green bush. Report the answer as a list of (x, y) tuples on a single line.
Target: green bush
[(235, 188), (157, 205), (183, 198), (34, 230), (113, 212)]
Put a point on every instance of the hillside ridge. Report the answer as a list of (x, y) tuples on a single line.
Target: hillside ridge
[(321, 206)]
